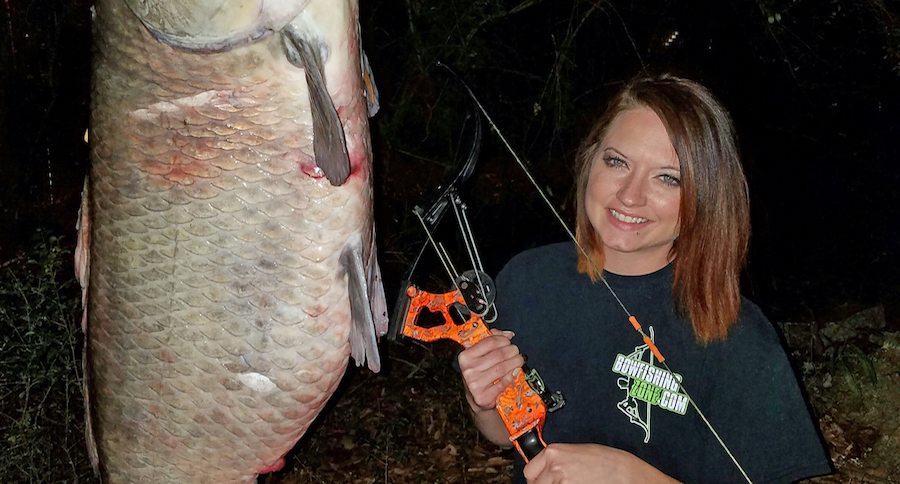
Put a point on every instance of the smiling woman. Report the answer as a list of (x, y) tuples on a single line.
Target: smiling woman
[(633, 193), (663, 220), (683, 131)]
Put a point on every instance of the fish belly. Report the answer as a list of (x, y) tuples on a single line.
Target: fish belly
[(218, 313)]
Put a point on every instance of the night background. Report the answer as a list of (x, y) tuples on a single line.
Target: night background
[(813, 90)]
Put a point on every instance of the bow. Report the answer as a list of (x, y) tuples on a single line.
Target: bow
[(469, 298), (465, 311)]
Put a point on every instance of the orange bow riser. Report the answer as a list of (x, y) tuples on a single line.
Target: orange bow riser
[(522, 405)]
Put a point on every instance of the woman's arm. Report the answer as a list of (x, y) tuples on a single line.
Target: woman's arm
[(487, 368), (489, 424)]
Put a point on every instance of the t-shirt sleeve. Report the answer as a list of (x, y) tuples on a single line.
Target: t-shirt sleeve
[(757, 407)]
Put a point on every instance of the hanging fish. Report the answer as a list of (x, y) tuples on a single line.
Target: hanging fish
[(226, 245)]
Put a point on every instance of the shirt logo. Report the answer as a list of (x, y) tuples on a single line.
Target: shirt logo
[(647, 386)]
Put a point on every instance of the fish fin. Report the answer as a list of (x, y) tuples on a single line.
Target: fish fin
[(83, 250), (363, 344), (371, 90), (329, 144), (377, 300), (82, 273)]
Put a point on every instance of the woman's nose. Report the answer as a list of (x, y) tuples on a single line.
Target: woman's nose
[(632, 191)]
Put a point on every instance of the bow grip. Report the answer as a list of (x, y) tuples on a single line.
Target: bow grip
[(523, 414)]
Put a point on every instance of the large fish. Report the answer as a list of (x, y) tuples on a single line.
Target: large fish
[(226, 239)]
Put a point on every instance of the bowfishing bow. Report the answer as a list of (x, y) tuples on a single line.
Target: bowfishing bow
[(465, 311)]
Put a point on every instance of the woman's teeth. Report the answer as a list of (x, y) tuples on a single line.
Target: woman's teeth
[(625, 218)]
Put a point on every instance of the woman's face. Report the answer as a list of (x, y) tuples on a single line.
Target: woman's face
[(634, 192)]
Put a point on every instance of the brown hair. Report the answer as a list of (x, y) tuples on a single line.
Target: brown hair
[(714, 214)]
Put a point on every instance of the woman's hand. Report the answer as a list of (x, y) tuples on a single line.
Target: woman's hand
[(488, 368), (589, 463)]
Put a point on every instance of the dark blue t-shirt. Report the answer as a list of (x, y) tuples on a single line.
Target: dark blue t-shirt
[(579, 339)]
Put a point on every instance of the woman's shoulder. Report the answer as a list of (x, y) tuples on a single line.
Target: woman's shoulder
[(751, 312), (753, 330)]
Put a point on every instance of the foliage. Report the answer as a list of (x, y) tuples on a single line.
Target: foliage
[(850, 371), (41, 415), (523, 83)]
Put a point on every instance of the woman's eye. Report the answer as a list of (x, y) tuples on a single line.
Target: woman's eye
[(670, 180), (612, 161)]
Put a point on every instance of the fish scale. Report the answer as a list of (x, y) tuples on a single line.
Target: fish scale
[(218, 313)]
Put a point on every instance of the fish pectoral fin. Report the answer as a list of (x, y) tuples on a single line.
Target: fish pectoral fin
[(329, 144), (363, 343)]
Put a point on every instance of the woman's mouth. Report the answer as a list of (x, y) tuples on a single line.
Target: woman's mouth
[(621, 217)]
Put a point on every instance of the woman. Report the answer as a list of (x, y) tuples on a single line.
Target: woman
[(663, 210)]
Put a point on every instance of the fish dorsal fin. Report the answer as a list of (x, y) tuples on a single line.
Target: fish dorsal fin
[(83, 274), (371, 90)]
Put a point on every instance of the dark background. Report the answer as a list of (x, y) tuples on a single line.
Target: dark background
[(812, 85)]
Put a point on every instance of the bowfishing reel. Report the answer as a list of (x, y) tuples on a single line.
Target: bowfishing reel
[(478, 291)]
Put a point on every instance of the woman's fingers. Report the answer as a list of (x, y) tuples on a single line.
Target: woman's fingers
[(535, 467), (491, 365), (487, 367), (497, 339)]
